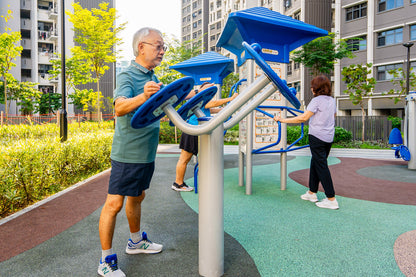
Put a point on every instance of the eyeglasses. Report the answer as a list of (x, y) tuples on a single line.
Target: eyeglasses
[(158, 47)]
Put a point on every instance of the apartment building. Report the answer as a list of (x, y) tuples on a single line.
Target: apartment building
[(39, 22), (195, 22), (382, 25)]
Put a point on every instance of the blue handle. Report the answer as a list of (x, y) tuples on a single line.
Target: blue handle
[(198, 101), (152, 109), (281, 84)]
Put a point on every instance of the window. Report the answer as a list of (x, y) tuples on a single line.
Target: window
[(384, 5), (357, 44), (289, 68), (296, 15), (413, 32), (219, 25), (412, 1), (356, 11), (296, 65), (383, 71), (390, 37)]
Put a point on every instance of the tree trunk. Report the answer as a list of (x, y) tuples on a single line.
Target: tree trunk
[(98, 101), (5, 98), (362, 122)]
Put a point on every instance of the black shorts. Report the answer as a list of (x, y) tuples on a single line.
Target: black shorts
[(130, 179), (189, 143)]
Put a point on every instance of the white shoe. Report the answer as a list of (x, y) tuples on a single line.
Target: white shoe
[(143, 246), (328, 204), (109, 267), (310, 197)]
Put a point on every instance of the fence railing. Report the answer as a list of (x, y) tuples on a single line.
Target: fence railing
[(375, 127)]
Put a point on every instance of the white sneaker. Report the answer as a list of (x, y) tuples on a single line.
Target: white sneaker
[(328, 204), (143, 246), (310, 197), (109, 267)]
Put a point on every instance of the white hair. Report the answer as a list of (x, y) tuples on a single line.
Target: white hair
[(139, 37)]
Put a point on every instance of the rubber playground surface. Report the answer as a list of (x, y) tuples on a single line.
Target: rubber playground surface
[(269, 233)]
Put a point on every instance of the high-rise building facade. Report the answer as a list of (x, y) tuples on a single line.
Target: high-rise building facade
[(382, 25), (39, 22), (195, 22)]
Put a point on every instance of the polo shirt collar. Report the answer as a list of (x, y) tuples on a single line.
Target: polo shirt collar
[(140, 67)]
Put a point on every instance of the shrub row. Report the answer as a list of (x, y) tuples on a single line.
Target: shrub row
[(34, 168)]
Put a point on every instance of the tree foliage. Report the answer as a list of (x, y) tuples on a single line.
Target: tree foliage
[(322, 53), (399, 80), (97, 37), (9, 50), (177, 52), (359, 86)]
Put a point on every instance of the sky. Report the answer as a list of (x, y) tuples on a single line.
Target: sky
[(164, 15)]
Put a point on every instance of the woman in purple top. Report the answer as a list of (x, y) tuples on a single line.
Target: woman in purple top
[(321, 111)]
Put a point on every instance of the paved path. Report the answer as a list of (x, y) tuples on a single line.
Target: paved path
[(58, 236)]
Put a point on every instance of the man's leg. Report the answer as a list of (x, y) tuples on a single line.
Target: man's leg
[(134, 211), (183, 161), (112, 207), (138, 243)]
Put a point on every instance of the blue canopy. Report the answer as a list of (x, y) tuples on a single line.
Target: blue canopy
[(207, 67), (277, 34)]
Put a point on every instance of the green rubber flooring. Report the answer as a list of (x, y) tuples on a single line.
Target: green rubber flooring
[(287, 236)]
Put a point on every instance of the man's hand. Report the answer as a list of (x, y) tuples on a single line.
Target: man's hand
[(150, 88)]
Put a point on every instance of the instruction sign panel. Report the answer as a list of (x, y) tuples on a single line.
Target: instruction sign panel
[(265, 130)]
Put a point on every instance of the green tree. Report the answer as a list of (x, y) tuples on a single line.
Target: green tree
[(399, 79), (76, 72), (227, 84), (322, 53), (9, 50), (97, 38), (177, 52), (26, 95), (359, 86)]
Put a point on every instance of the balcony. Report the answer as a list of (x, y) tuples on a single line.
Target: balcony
[(43, 57), (48, 35), (43, 79), (53, 13)]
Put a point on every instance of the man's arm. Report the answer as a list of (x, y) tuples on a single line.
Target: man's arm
[(124, 106), (219, 102)]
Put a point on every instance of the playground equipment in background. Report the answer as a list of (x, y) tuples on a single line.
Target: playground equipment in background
[(400, 150), (277, 35)]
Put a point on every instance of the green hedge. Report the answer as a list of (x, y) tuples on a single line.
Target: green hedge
[(39, 165)]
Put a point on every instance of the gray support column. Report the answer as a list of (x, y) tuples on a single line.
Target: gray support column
[(211, 203), (411, 135), (283, 155), (250, 137)]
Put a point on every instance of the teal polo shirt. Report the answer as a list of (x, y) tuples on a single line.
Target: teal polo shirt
[(134, 145)]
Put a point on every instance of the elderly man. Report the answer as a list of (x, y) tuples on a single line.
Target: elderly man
[(133, 151)]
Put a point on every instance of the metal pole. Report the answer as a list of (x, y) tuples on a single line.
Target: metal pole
[(63, 115), (211, 203), (408, 45), (250, 134)]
